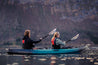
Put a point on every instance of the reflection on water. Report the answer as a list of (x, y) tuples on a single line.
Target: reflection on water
[(63, 59)]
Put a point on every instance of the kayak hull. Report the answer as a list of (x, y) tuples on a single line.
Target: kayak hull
[(44, 51)]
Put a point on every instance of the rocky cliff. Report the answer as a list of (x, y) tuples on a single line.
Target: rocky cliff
[(41, 16)]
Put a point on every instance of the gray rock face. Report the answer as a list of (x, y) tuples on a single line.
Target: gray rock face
[(68, 16)]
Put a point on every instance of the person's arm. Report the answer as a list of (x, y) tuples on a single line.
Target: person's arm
[(36, 41), (58, 41)]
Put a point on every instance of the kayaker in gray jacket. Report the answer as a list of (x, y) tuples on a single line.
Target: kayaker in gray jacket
[(56, 42)]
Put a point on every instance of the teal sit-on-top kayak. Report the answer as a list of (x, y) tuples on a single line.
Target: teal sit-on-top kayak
[(44, 51)]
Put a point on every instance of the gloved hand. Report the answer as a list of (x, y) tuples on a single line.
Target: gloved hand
[(40, 39), (64, 41)]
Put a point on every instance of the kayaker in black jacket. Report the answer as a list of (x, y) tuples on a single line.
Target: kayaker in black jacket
[(56, 42), (27, 42)]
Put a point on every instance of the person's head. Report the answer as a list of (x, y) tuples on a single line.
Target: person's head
[(57, 34), (27, 33)]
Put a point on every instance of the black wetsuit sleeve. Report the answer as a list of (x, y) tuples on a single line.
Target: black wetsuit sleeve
[(35, 41)]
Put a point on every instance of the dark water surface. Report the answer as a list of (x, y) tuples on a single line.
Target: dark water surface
[(62, 59), (86, 57)]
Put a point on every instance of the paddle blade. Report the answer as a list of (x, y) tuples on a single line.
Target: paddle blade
[(52, 32), (75, 37)]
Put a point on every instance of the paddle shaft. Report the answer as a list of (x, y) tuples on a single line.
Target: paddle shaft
[(68, 41), (45, 36), (50, 33)]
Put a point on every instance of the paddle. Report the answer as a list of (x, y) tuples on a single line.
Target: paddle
[(73, 38), (50, 33)]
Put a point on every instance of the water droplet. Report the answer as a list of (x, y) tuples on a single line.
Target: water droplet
[(78, 58), (96, 63), (42, 59), (89, 58), (53, 58), (26, 60), (63, 59), (15, 64), (53, 61)]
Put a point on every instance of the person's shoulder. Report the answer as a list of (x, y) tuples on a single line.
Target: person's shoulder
[(56, 38), (25, 37)]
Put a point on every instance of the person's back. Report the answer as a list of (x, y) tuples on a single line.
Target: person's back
[(27, 42)]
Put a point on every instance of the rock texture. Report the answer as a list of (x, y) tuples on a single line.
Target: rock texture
[(41, 16)]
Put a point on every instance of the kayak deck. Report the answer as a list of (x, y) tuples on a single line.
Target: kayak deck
[(44, 51)]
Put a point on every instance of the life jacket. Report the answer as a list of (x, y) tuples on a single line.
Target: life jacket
[(23, 41), (53, 41), (54, 46)]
